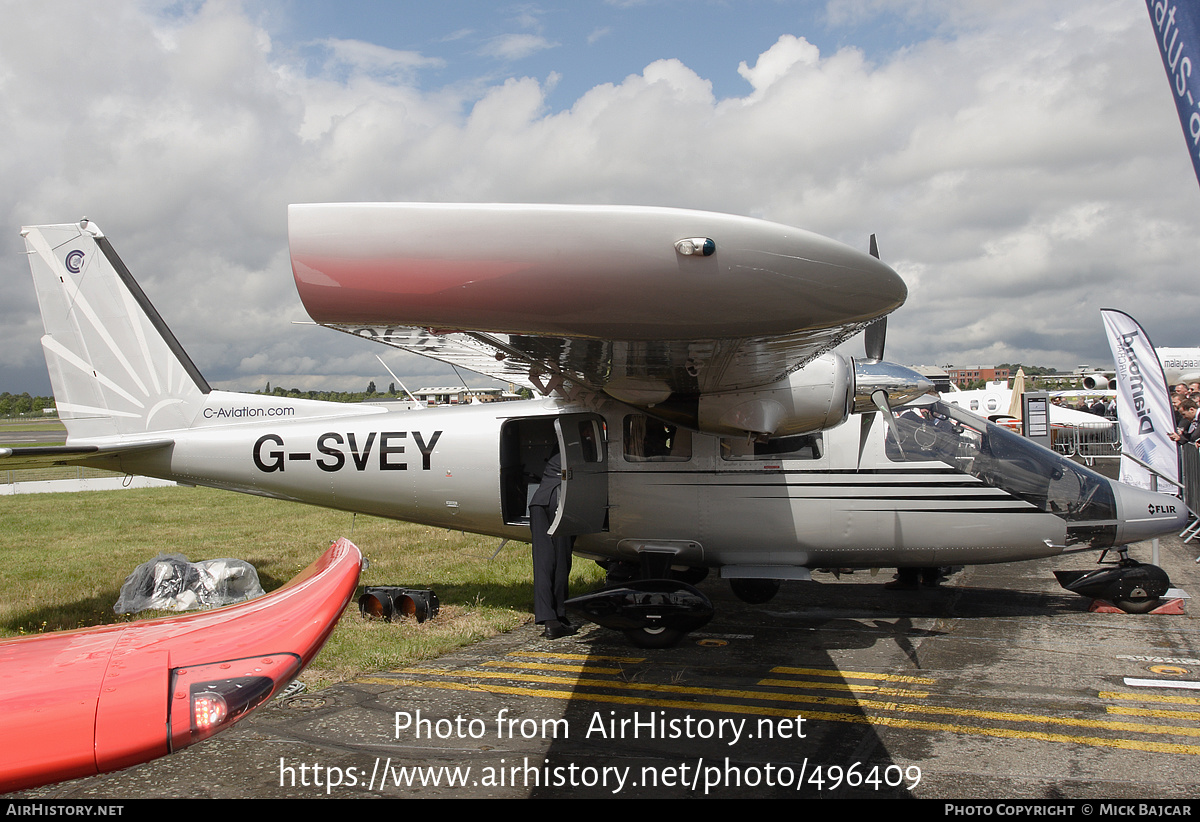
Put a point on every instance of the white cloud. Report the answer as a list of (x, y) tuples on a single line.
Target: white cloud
[(778, 60), (515, 46), (372, 59), (1021, 171)]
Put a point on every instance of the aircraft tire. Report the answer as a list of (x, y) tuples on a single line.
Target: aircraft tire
[(754, 591), (1138, 606), (653, 637)]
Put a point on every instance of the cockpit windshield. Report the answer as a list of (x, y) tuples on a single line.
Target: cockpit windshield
[(1002, 459)]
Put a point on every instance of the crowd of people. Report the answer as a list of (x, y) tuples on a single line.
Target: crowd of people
[(1100, 406), (1185, 399)]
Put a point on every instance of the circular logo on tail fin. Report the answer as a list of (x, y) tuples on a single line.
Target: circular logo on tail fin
[(74, 261)]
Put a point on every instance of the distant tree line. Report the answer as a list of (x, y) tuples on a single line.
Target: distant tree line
[(1030, 370), (330, 396), (15, 405)]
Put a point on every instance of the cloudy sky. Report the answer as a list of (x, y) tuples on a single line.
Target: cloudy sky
[(1021, 162)]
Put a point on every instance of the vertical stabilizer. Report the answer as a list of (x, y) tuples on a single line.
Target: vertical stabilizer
[(115, 366)]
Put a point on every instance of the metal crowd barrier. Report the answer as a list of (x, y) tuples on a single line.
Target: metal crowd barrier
[(1089, 442), (1189, 464)]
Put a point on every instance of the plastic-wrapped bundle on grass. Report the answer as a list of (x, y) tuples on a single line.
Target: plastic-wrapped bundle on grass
[(170, 583)]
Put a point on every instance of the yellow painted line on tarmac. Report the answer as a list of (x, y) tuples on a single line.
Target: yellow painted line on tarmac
[(1159, 713), (860, 704), (841, 686), (780, 683), (614, 699), (551, 666), (584, 657), (914, 680), (883, 721), (762, 696), (1139, 697), (1069, 721)]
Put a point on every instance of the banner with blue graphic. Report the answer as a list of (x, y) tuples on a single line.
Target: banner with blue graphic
[(1143, 405), (1177, 30)]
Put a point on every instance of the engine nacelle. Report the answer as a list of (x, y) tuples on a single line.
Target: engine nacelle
[(820, 395), (1098, 382), (817, 396)]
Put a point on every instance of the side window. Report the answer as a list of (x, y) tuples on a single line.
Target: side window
[(651, 440), (802, 447)]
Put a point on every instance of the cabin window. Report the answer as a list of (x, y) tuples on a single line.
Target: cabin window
[(802, 447), (651, 440)]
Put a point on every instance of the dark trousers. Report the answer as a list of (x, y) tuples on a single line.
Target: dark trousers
[(551, 566)]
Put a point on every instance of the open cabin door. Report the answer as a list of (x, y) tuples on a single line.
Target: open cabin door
[(583, 495)]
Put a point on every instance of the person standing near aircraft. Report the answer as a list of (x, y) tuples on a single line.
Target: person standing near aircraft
[(1189, 429), (551, 554)]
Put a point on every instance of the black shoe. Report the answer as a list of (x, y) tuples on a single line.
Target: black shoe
[(556, 630), (907, 579)]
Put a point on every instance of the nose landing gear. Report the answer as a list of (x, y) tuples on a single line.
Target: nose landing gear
[(1134, 587)]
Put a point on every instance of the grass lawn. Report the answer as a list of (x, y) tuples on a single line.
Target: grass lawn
[(69, 553)]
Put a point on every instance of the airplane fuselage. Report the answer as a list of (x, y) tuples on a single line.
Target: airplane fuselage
[(838, 499)]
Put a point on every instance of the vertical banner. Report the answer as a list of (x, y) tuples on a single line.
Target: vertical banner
[(1175, 26), (1143, 406)]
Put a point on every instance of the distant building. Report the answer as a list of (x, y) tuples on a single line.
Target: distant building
[(460, 394), (968, 374), (937, 376)]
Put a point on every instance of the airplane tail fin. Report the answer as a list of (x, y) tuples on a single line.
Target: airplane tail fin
[(116, 369)]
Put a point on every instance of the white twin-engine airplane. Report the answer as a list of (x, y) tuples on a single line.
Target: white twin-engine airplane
[(688, 377), (1180, 365)]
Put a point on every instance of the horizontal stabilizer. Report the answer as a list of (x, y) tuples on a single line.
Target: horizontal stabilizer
[(49, 456)]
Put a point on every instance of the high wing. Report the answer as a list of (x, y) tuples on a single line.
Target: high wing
[(644, 304)]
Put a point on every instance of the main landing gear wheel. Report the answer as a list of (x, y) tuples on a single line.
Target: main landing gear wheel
[(651, 613), (754, 591), (1138, 606), (653, 637)]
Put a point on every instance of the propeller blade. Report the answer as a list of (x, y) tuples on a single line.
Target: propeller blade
[(864, 428), (873, 339), (876, 332), (880, 398)]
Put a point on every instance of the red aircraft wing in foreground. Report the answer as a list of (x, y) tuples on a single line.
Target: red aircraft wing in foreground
[(78, 703)]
